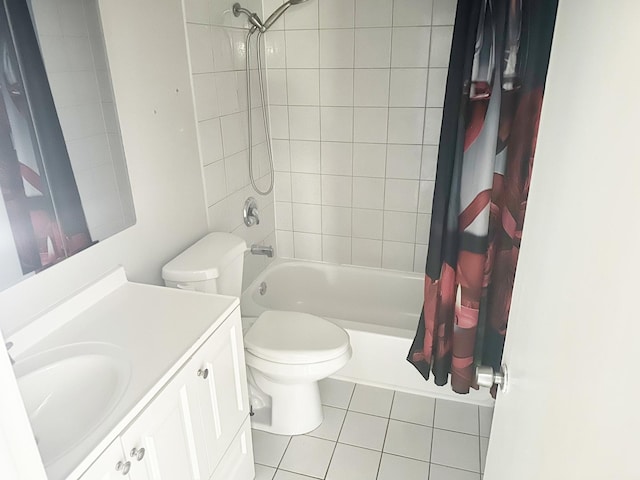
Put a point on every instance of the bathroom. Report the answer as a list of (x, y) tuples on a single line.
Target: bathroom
[(338, 200)]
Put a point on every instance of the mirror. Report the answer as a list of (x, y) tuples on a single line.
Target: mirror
[(63, 174)]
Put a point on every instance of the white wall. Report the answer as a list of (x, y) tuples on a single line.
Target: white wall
[(356, 94), (153, 93), (217, 56)]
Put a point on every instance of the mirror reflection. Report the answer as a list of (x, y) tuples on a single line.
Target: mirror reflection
[(63, 174)]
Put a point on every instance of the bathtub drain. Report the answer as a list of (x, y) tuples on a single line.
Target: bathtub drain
[(262, 289)]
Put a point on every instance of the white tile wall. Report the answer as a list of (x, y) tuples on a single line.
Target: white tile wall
[(336, 87), (356, 94), (372, 47), (371, 87), (373, 13), (304, 17), (217, 54), (336, 48)]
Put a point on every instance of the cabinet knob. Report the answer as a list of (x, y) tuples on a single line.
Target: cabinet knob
[(203, 373), (137, 453), (123, 467)]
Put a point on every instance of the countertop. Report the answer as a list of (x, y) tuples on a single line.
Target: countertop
[(157, 328)]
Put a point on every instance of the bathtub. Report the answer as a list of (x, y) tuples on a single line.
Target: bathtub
[(378, 308)]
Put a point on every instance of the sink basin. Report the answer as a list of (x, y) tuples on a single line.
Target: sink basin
[(69, 391)]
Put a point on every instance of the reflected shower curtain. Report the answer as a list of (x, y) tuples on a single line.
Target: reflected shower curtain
[(37, 184), (498, 66)]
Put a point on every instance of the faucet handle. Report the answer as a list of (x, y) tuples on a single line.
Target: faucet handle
[(250, 212), (253, 212)]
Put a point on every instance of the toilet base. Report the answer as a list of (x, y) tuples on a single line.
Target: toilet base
[(290, 409)]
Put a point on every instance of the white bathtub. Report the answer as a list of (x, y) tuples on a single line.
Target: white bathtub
[(378, 308)]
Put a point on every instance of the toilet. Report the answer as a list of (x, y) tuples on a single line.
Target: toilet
[(286, 353)]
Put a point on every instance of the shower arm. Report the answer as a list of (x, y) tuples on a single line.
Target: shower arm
[(254, 19)]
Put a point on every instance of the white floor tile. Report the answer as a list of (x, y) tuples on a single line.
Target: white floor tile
[(331, 425), (408, 440), (413, 408), (308, 456), (268, 448), (393, 467), (456, 450), (456, 416), (484, 445), (439, 472), (284, 475), (486, 417), (264, 473), (363, 430), (452, 436), (336, 393), (353, 463), (371, 400)]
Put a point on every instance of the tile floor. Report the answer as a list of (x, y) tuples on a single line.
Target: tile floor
[(371, 433)]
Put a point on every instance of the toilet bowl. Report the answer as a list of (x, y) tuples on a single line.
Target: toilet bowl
[(286, 353)]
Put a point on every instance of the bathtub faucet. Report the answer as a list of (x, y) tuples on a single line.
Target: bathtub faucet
[(262, 250)]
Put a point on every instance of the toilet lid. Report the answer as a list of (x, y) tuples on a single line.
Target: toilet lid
[(295, 338)]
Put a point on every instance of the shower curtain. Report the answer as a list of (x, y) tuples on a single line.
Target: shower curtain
[(498, 65)]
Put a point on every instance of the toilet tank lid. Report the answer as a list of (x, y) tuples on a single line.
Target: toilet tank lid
[(205, 259)]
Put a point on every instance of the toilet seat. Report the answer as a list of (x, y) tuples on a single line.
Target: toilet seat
[(295, 338)]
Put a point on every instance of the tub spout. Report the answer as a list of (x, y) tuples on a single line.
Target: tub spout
[(262, 250)]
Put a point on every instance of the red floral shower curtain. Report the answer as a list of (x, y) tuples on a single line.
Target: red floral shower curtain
[(497, 70)]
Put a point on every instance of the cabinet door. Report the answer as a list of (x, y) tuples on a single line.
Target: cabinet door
[(111, 465), (164, 430), (219, 401), (237, 463)]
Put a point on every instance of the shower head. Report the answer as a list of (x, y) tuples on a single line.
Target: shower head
[(279, 11)]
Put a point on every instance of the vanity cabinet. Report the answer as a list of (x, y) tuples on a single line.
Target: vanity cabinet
[(104, 468), (198, 424)]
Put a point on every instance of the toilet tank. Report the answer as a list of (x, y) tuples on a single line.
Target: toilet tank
[(212, 265)]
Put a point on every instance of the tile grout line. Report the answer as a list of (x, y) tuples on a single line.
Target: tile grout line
[(401, 456), (344, 419), (381, 452), (386, 147), (424, 126), (479, 443), (386, 431), (286, 91), (284, 453), (317, 30), (433, 427), (455, 468), (335, 446), (352, 394), (353, 128)]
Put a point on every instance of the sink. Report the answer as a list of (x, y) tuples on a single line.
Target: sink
[(69, 391)]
